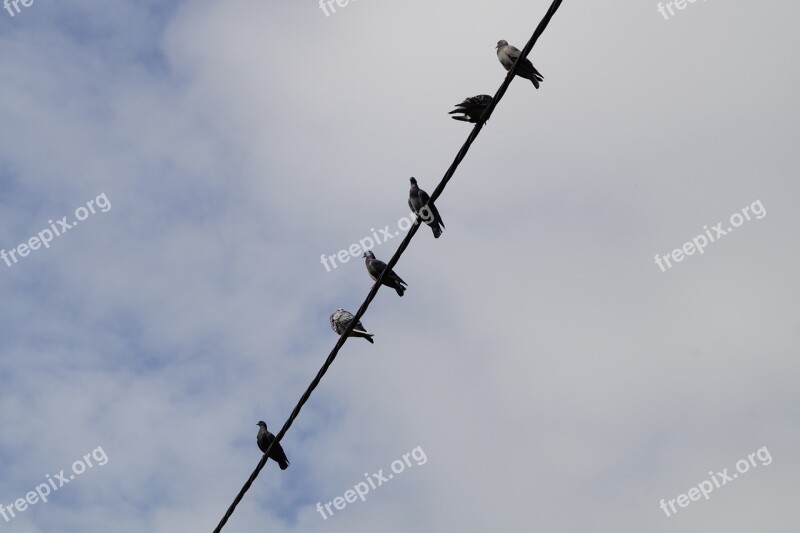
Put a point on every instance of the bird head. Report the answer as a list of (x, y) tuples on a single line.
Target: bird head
[(501, 43), (413, 181), (262, 424), (369, 255)]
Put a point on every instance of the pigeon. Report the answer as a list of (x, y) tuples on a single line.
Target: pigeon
[(472, 108), (375, 267), (508, 54), (264, 439), (420, 203), (340, 319)]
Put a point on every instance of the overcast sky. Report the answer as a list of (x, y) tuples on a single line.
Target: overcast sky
[(555, 377)]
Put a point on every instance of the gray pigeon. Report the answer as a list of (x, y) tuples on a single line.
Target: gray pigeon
[(340, 319), (508, 54), (375, 267), (420, 203), (264, 439), (472, 108)]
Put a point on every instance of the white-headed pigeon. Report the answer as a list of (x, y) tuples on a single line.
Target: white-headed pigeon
[(340, 319), (508, 54)]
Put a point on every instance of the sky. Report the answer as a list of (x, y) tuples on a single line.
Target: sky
[(547, 369)]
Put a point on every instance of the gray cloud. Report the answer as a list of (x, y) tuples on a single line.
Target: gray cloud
[(555, 377)]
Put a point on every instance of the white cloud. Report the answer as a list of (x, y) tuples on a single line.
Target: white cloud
[(556, 379)]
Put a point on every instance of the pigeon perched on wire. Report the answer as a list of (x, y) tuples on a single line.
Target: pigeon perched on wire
[(420, 203), (508, 54), (376, 266), (340, 319), (264, 439), (472, 108)]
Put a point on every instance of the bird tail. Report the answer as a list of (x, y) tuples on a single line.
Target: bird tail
[(536, 78), (400, 290), (364, 335), (437, 230), (284, 464)]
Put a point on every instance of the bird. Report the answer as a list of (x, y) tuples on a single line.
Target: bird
[(340, 319), (264, 439), (375, 267), (472, 108), (508, 54), (420, 203)]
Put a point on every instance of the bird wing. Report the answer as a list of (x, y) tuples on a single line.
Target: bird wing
[(375, 267), (426, 200), (423, 197), (436, 216), (379, 267), (276, 454), (360, 328), (394, 277)]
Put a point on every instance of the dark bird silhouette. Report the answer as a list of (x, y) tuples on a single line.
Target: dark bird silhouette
[(375, 267), (472, 108), (508, 54), (340, 319), (420, 203), (264, 439)]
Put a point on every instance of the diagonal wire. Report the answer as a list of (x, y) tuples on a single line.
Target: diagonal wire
[(393, 261)]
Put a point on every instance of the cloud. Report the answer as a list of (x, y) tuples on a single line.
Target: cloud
[(554, 376)]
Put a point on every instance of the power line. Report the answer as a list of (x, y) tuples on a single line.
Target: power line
[(393, 261)]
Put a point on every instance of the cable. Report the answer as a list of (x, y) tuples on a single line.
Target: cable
[(393, 261)]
